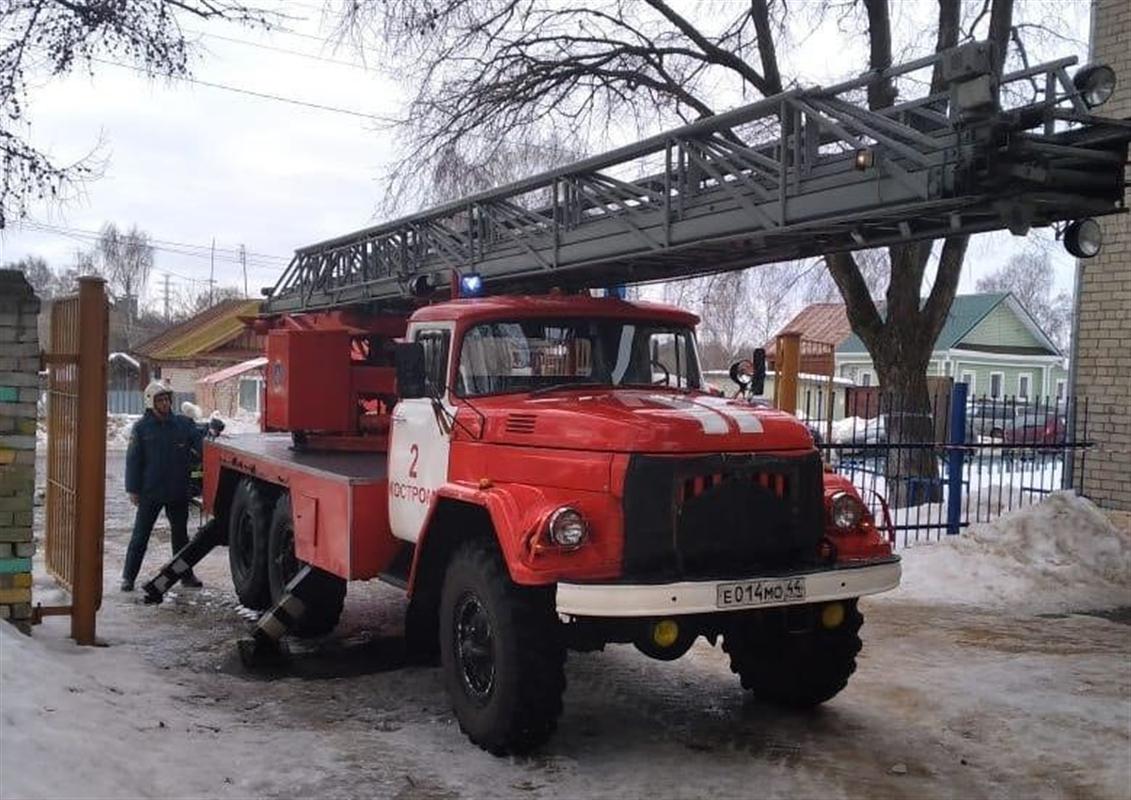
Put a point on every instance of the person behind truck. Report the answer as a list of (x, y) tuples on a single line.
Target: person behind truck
[(163, 447)]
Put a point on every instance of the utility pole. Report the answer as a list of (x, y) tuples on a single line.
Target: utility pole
[(211, 271), (243, 263), (165, 292)]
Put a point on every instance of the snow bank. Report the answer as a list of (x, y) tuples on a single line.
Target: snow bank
[(1062, 554)]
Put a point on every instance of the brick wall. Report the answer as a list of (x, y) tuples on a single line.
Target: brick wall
[(1104, 353), (19, 366)]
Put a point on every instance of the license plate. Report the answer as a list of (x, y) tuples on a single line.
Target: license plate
[(759, 593)]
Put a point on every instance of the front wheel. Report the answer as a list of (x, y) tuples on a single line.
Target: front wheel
[(501, 653), (796, 669)]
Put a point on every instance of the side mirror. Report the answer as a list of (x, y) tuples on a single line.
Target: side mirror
[(411, 381), (758, 377), (741, 372)]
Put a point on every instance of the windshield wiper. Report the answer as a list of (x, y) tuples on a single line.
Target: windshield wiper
[(570, 385)]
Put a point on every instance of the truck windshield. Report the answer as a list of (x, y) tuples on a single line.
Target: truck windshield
[(540, 354)]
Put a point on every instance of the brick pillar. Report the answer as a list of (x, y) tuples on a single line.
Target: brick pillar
[(1103, 368), (19, 391)]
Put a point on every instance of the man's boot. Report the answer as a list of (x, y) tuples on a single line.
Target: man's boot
[(127, 585)]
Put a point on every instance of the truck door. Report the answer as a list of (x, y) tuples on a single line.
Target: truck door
[(419, 442)]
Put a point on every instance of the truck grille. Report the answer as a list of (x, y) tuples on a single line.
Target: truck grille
[(723, 515)]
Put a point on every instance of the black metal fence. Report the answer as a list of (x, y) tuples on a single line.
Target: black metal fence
[(978, 457)]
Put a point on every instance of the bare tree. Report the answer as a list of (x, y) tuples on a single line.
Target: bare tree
[(127, 259), (874, 269), (1028, 276), (485, 72), (40, 276), (738, 310), (51, 37)]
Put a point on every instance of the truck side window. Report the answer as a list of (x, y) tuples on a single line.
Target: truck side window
[(436, 345)]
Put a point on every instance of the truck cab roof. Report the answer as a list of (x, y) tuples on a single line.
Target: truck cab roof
[(474, 309)]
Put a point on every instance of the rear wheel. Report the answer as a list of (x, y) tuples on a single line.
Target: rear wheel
[(324, 593), (248, 519), (795, 669), (501, 653)]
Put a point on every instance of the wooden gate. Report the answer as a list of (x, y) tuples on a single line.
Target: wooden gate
[(76, 451)]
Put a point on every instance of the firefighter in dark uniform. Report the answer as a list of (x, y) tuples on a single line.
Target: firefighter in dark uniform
[(163, 448)]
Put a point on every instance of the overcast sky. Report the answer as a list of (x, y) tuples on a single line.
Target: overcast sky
[(189, 163)]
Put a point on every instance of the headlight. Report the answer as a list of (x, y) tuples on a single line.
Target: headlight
[(845, 511), (1095, 83), (567, 527)]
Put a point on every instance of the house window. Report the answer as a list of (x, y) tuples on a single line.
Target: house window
[(1060, 386), (968, 379), (251, 389), (997, 381), (1024, 386), (865, 377)]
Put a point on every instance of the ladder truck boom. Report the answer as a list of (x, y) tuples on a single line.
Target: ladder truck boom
[(799, 174)]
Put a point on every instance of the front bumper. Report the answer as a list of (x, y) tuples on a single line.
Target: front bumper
[(615, 600)]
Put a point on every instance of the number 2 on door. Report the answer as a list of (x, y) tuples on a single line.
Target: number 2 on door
[(414, 450)]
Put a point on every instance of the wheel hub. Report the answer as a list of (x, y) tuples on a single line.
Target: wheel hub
[(475, 647)]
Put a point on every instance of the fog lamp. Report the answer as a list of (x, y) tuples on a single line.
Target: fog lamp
[(832, 616), (1083, 238), (567, 527), (1095, 83), (665, 633), (845, 511)]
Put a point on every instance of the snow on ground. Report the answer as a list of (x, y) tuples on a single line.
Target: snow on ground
[(97, 722), (1063, 553)]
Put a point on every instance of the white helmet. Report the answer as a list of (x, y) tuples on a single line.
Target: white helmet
[(154, 389)]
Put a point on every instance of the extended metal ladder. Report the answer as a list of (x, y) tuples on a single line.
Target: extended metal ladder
[(799, 174)]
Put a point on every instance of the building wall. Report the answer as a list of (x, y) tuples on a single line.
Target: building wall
[(1001, 328), (19, 389), (1104, 338)]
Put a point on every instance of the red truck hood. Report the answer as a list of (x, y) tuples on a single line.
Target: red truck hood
[(630, 420)]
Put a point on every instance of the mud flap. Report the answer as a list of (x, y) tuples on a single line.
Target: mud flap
[(182, 562), (263, 647)]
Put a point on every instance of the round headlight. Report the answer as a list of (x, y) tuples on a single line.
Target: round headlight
[(845, 511), (567, 527), (1083, 238), (1095, 83)]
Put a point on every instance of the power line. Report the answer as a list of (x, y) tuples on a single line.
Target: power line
[(297, 53), (251, 92), (232, 255)]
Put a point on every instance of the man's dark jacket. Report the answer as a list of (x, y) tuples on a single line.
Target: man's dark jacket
[(161, 453)]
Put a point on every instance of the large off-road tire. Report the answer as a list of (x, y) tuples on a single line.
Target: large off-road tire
[(324, 594), (795, 670), (501, 652), (248, 520)]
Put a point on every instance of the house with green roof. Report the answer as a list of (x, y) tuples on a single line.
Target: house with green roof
[(990, 342)]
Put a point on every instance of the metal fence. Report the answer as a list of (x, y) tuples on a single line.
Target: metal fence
[(978, 458)]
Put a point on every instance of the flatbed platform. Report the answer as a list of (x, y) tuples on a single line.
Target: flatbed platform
[(277, 449)]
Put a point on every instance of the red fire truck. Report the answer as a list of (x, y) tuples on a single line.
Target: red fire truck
[(544, 470)]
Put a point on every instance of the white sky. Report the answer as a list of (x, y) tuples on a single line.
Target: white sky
[(188, 163)]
